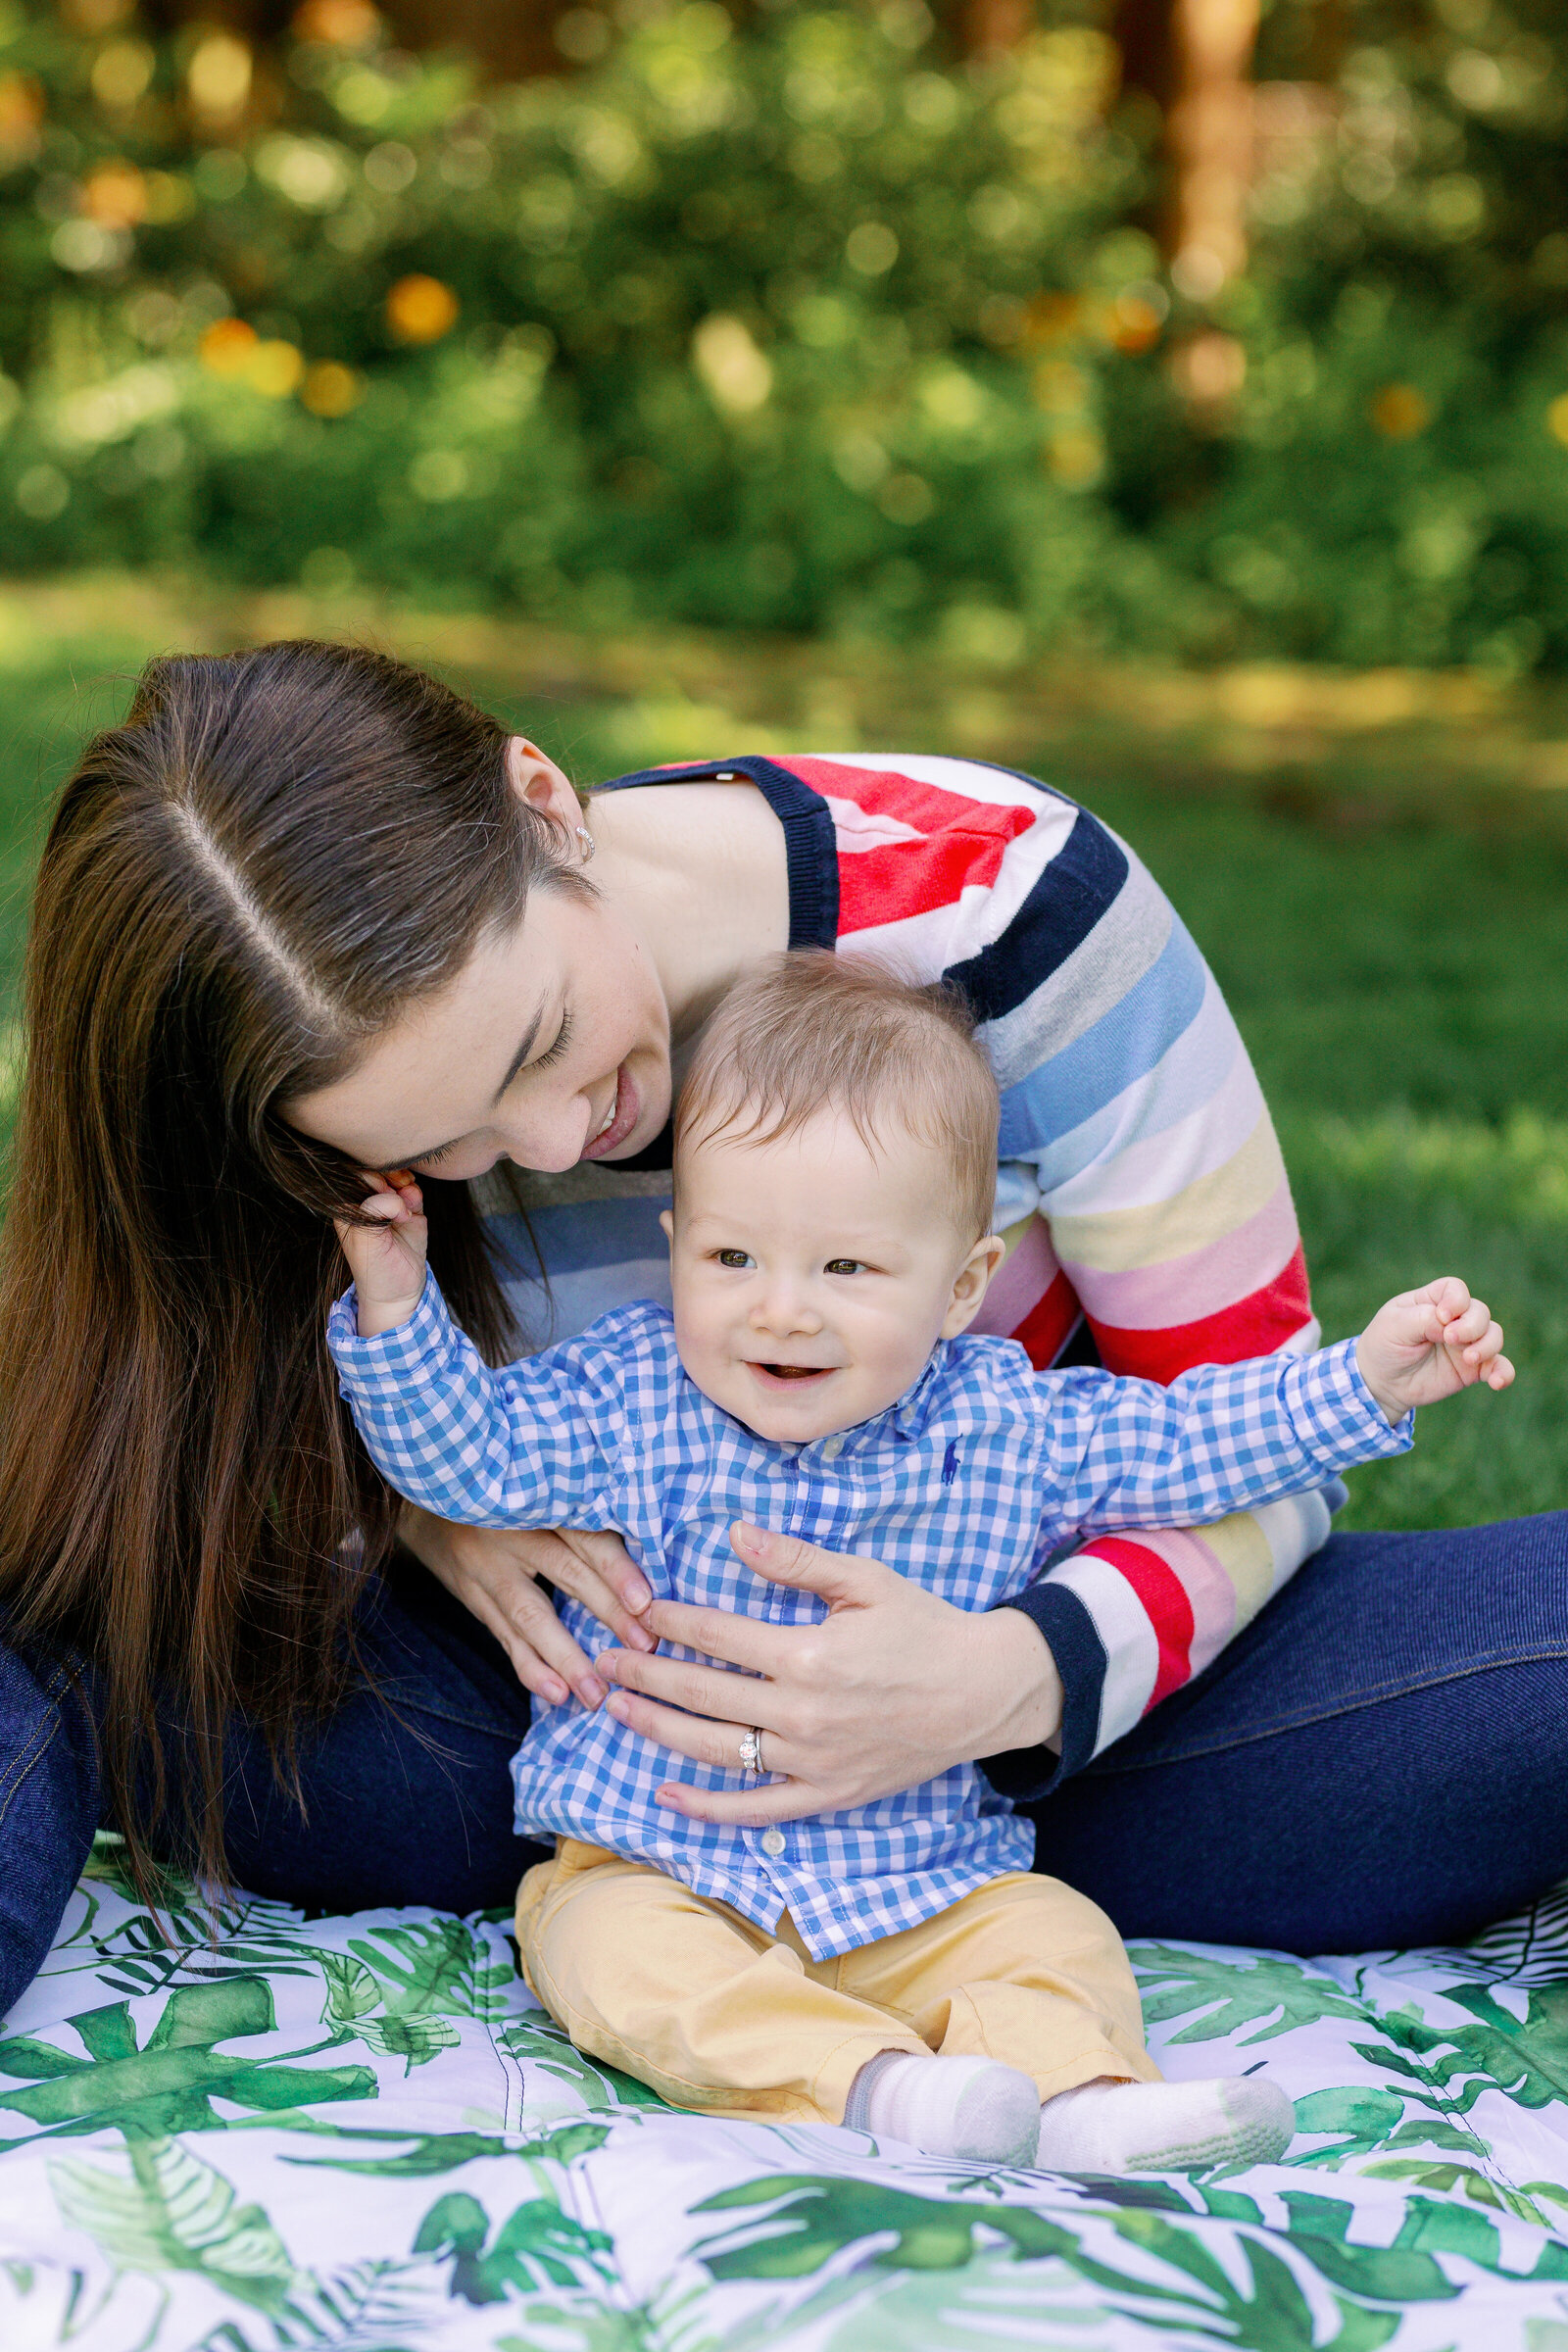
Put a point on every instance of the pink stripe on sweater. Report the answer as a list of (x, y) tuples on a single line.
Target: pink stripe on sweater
[(1188, 1289)]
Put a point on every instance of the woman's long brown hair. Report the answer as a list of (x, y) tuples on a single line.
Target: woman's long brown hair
[(274, 854)]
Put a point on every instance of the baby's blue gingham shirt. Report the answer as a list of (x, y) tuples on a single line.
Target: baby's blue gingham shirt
[(968, 1486)]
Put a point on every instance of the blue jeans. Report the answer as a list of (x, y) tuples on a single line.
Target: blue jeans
[(1379, 1760)]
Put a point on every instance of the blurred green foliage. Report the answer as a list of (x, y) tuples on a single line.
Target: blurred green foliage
[(801, 325)]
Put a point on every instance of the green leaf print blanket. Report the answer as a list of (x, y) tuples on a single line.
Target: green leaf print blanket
[(363, 2133)]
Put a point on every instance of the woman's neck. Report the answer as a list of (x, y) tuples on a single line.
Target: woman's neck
[(699, 869)]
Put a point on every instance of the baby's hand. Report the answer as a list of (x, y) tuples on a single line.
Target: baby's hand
[(1429, 1344), (387, 1259)]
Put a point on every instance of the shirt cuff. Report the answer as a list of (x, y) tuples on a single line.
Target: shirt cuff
[(1072, 1636), (418, 1343), (1337, 1419)]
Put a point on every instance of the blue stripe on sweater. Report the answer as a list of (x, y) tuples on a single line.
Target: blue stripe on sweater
[(1119, 1049)]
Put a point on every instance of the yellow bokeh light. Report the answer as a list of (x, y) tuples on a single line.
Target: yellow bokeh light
[(227, 346), (331, 389), (421, 310), (1558, 418), (1400, 411), (274, 368)]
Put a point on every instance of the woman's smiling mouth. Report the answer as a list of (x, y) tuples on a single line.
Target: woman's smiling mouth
[(619, 1119)]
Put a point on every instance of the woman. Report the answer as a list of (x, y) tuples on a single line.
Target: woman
[(305, 914)]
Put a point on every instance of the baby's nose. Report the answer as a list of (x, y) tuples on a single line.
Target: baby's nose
[(784, 1307)]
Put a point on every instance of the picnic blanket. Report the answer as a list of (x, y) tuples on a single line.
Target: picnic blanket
[(364, 2133)]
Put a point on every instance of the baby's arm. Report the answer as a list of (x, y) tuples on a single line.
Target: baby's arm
[(526, 1447), (1222, 1437)]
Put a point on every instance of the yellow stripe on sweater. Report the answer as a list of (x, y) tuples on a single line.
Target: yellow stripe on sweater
[(1119, 1241)]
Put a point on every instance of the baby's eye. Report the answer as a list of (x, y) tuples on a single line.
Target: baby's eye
[(845, 1265), (737, 1258)]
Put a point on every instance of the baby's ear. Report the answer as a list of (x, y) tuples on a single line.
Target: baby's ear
[(669, 1224), (973, 1280)]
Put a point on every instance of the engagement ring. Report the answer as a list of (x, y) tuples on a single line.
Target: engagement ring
[(752, 1753)]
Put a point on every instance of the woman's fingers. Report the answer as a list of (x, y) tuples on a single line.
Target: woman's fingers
[(545, 1658), (744, 1808), (705, 1694), (597, 1571), (714, 1633)]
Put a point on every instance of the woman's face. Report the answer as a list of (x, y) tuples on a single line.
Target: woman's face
[(551, 1045)]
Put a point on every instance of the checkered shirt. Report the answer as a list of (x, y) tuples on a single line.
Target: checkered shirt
[(981, 1471)]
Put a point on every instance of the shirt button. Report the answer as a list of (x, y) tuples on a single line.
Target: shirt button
[(772, 1843), (832, 1449)]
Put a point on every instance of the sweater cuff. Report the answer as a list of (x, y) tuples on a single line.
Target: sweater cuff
[(1337, 1419), (1070, 1635), (418, 1343)]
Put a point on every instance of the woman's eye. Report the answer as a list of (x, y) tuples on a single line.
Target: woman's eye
[(543, 1061), (429, 1159), (844, 1265), (736, 1258)]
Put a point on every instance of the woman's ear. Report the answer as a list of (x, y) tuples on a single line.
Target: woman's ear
[(539, 783), (972, 1283)]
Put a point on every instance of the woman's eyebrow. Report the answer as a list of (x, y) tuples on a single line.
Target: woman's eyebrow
[(524, 1049)]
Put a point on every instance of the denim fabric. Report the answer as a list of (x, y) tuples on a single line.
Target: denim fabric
[(48, 1810), (408, 1796), (1379, 1760)]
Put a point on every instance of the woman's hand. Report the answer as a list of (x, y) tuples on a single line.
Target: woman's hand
[(894, 1687), (493, 1572)]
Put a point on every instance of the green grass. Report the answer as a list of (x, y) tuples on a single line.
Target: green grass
[(1398, 966)]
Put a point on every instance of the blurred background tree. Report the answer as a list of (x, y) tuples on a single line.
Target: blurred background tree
[(1173, 326)]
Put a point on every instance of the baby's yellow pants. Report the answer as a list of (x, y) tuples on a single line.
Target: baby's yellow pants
[(716, 2014)]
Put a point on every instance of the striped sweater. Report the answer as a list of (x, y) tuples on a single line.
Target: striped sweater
[(1139, 1185)]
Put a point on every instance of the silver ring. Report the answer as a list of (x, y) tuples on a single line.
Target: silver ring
[(589, 845), (752, 1753)]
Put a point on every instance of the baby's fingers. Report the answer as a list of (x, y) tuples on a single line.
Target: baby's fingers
[(1499, 1373), (1469, 1328)]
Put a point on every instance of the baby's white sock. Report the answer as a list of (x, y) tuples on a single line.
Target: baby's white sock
[(1165, 2127), (972, 2108)]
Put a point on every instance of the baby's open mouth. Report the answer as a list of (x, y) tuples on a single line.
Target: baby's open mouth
[(795, 1371)]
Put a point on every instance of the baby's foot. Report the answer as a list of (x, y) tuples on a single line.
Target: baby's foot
[(1165, 2127), (971, 2108)]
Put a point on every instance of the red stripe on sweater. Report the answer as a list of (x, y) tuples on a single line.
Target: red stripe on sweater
[(926, 806), (1164, 1598), (1258, 1325), (962, 843), (1049, 1323)]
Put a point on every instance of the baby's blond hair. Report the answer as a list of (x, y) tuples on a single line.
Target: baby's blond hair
[(811, 1031)]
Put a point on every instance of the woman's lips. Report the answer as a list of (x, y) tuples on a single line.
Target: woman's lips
[(628, 1109)]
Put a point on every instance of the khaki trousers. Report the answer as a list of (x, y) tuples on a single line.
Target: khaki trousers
[(716, 2014)]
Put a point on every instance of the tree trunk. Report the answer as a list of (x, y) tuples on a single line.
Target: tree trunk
[(1209, 141)]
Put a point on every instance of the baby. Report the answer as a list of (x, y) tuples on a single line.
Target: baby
[(898, 1968)]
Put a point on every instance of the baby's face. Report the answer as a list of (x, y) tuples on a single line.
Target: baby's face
[(813, 1277)]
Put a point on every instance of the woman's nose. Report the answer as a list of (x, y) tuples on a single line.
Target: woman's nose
[(553, 1137)]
